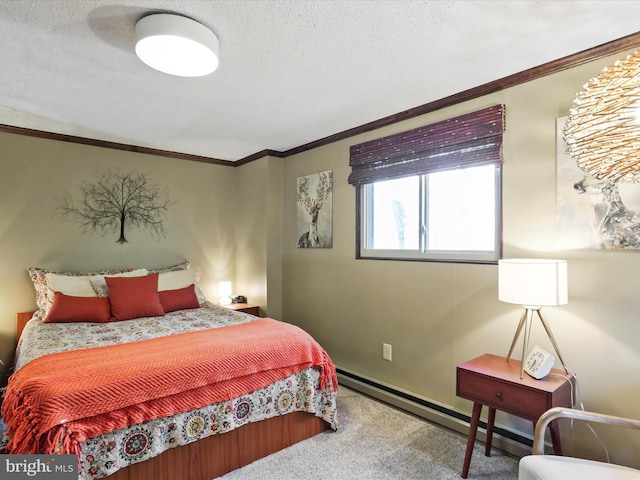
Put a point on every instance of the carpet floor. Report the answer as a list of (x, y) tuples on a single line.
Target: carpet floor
[(376, 441)]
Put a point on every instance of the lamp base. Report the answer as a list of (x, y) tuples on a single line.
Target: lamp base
[(525, 322)]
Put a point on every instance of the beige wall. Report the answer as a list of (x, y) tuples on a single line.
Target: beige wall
[(437, 315), (259, 234), (200, 221)]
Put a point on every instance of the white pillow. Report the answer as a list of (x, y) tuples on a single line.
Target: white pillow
[(181, 279), (69, 285), (99, 284), (177, 279), (74, 286)]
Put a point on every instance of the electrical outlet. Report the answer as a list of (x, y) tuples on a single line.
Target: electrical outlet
[(386, 351)]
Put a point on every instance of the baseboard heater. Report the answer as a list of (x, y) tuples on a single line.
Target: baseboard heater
[(344, 376)]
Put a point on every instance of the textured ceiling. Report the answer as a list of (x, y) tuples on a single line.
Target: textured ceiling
[(291, 72)]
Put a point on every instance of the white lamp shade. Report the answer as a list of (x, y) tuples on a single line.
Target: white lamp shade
[(224, 289), (176, 45), (532, 282)]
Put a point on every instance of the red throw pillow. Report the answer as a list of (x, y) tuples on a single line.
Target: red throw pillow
[(134, 297), (179, 299), (67, 308)]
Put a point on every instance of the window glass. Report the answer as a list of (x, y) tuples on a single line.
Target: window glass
[(395, 214), (452, 215), (461, 209)]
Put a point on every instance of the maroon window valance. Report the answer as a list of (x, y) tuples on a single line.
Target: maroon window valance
[(473, 139)]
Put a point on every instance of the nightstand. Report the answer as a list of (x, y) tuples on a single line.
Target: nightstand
[(245, 307), (491, 380)]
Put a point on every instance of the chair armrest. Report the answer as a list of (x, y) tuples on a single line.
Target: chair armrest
[(560, 412)]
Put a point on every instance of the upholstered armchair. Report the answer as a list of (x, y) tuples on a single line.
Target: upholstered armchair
[(539, 466)]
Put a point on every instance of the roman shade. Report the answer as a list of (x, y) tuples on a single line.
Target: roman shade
[(473, 139)]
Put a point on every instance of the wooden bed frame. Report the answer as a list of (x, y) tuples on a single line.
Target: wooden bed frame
[(216, 455)]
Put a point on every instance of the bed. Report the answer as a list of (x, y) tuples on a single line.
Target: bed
[(238, 424)]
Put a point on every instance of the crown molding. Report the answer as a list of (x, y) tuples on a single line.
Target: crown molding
[(625, 43)]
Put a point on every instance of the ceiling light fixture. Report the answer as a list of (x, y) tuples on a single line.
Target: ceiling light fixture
[(176, 45)]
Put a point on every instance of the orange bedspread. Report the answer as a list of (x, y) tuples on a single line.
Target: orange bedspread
[(56, 401)]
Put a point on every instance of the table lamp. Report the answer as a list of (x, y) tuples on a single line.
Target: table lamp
[(532, 283), (224, 290)]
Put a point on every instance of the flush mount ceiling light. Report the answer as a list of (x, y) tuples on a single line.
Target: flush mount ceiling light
[(176, 45)]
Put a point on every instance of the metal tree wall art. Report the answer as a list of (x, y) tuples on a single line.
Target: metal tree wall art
[(116, 202), (314, 199)]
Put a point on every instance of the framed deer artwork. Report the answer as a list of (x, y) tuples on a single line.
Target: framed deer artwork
[(315, 210), (590, 212)]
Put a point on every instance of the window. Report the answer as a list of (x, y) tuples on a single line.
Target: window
[(422, 196)]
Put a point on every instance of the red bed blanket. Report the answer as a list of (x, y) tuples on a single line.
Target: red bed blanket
[(57, 401)]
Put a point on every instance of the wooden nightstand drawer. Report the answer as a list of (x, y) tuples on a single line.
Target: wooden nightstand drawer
[(245, 308), (495, 382), (508, 397)]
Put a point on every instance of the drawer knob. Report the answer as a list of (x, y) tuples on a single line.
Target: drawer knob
[(498, 395)]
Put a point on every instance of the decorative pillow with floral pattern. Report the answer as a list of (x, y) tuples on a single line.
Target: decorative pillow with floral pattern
[(184, 265), (38, 276), (100, 284)]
